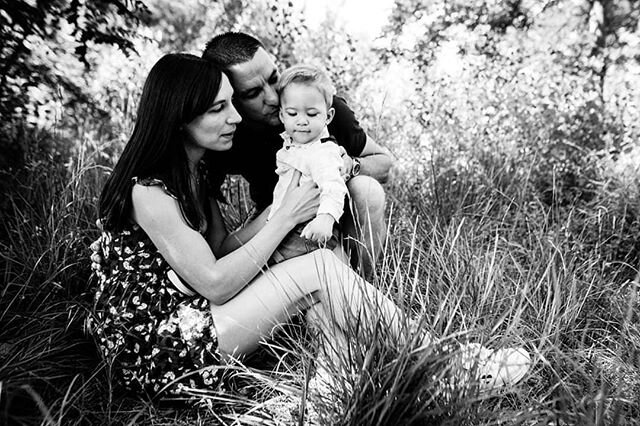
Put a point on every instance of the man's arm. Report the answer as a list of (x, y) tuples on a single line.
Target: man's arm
[(375, 161)]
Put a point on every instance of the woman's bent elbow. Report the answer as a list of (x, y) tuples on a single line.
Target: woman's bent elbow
[(217, 290), (219, 298)]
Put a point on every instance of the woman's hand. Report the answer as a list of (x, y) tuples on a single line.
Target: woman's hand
[(300, 202)]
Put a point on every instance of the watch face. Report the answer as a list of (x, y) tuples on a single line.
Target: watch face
[(356, 167)]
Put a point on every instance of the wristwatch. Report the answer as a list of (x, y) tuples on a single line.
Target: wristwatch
[(355, 168)]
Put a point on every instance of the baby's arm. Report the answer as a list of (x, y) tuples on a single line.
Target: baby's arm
[(324, 167)]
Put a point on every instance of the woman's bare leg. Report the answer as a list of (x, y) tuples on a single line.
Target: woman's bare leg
[(296, 284), (345, 301), (334, 343)]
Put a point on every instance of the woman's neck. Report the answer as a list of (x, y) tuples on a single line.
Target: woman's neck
[(194, 155)]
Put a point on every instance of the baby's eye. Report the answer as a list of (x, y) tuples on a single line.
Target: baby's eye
[(291, 113), (313, 114)]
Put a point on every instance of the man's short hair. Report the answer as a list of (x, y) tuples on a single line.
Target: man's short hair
[(231, 48), (310, 75)]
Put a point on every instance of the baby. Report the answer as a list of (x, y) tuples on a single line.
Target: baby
[(306, 96)]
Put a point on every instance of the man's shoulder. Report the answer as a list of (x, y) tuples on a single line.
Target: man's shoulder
[(346, 128), (340, 104)]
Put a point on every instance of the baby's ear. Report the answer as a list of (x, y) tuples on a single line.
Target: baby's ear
[(330, 113), (281, 115)]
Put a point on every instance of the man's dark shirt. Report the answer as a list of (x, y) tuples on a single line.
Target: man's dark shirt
[(253, 154)]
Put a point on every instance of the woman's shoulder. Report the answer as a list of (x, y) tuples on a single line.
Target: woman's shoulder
[(157, 209), (153, 182), (155, 206)]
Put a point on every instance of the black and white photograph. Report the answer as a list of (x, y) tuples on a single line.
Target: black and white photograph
[(320, 212)]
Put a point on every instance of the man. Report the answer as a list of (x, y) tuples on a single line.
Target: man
[(254, 77)]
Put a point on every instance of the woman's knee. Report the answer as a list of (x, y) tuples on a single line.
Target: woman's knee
[(324, 260), (333, 272), (308, 272)]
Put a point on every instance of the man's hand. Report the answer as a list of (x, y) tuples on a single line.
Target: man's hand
[(319, 229)]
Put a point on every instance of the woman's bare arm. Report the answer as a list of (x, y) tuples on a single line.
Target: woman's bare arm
[(190, 255), (244, 234)]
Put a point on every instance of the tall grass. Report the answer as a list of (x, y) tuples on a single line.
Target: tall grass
[(485, 263), (517, 277), (46, 224)]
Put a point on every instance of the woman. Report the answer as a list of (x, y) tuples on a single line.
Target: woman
[(177, 294)]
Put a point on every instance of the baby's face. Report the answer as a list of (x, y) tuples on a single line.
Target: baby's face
[(303, 112)]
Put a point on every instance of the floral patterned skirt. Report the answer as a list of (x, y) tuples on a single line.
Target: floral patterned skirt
[(156, 338)]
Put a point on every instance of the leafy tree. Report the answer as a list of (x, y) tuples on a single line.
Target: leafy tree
[(533, 100), (184, 26), (608, 21), (44, 50), (25, 24), (188, 25), (604, 26)]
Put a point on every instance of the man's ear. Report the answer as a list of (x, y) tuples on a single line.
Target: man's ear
[(330, 113)]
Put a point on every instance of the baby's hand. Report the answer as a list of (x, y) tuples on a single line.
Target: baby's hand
[(319, 229)]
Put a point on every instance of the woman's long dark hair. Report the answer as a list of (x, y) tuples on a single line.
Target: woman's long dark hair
[(179, 88)]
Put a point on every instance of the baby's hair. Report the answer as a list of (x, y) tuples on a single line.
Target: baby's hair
[(310, 75)]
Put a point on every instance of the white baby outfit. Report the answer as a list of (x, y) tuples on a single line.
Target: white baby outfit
[(319, 162)]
